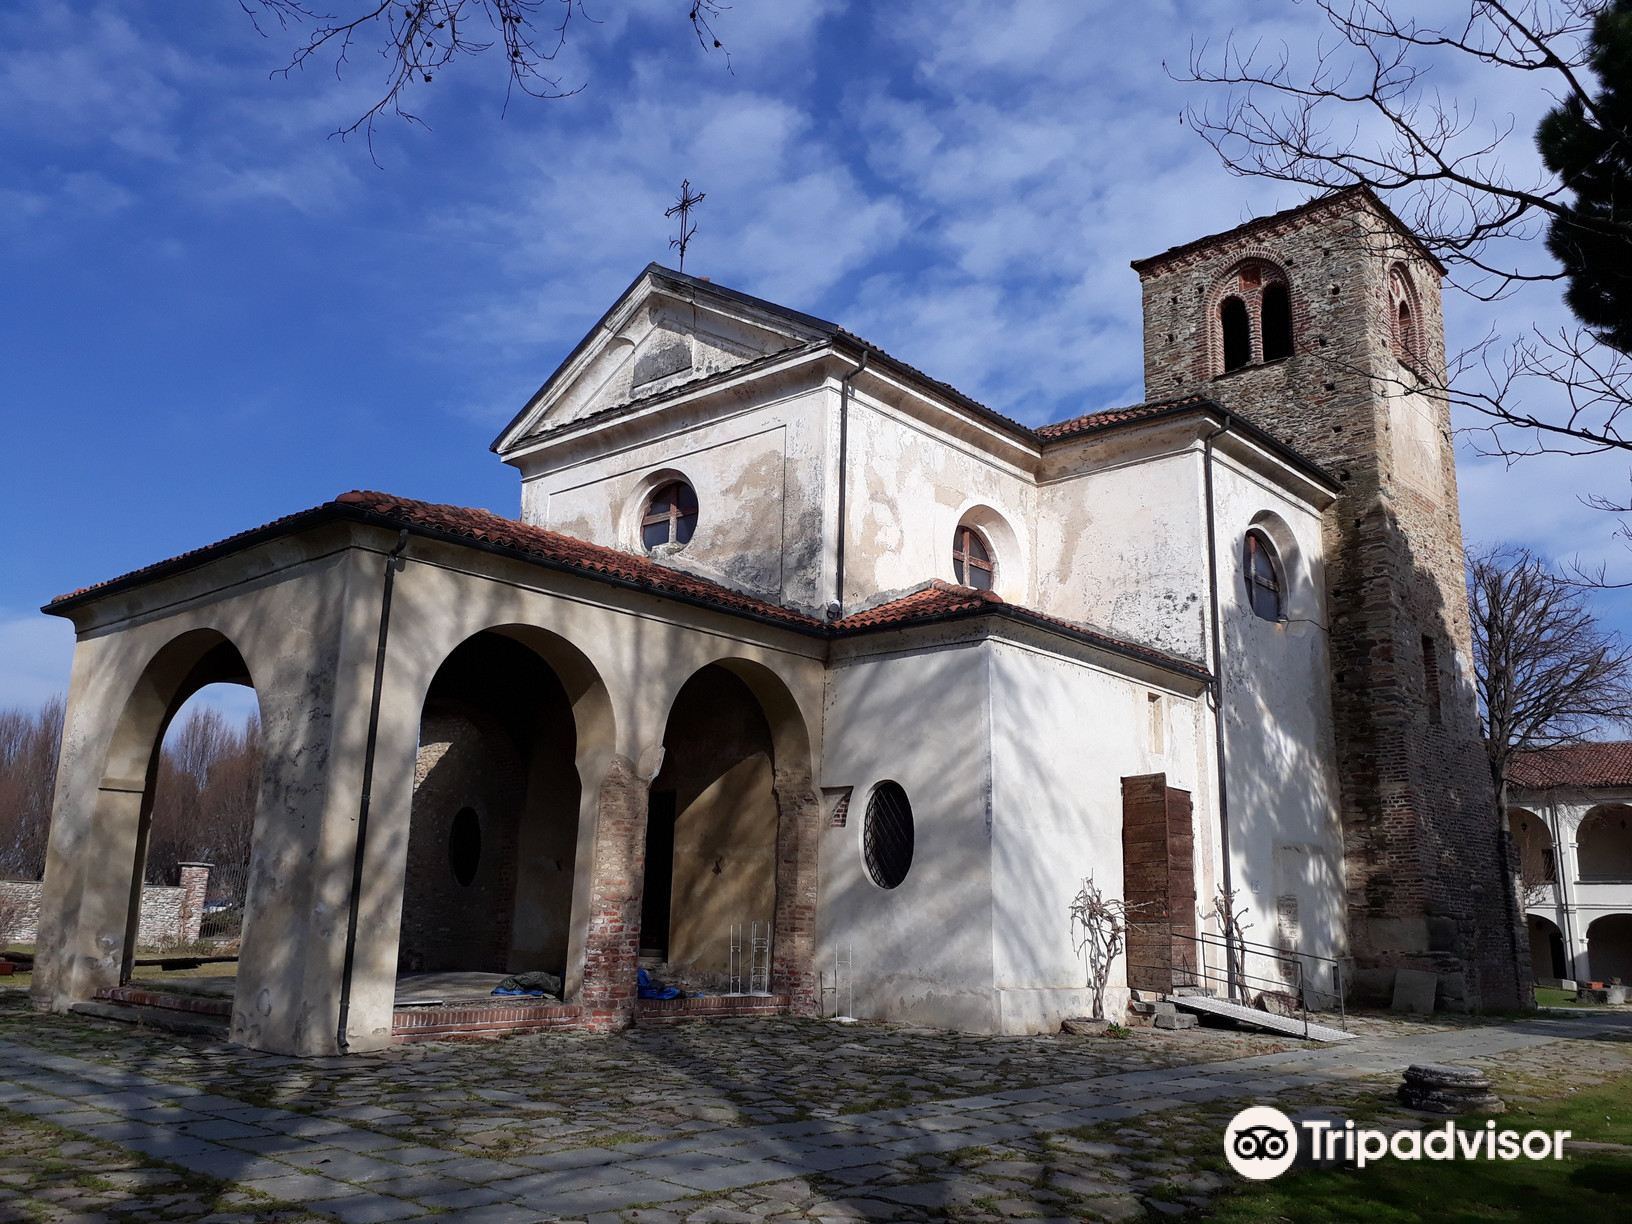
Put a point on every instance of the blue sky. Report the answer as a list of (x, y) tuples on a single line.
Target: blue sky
[(212, 314)]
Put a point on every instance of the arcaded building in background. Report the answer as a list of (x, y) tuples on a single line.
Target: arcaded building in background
[(799, 655)]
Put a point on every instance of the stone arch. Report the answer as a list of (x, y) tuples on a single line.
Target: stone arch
[(514, 722), (1609, 948), (1247, 281), (125, 793), (734, 819), (1604, 843), (1404, 315), (1547, 959)]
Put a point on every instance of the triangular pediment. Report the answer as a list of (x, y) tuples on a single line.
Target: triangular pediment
[(665, 330)]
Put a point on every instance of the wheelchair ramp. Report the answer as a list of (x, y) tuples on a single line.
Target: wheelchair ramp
[(1292, 1026)]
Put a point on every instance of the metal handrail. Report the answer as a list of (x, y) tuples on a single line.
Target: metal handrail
[(1233, 979)]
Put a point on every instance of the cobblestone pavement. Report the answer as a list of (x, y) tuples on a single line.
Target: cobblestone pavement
[(728, 1121)]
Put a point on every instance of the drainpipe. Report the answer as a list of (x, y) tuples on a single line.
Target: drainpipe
[(392, 564), (1217, 687), (836, 608)]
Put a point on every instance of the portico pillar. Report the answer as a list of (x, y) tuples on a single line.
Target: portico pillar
[(616, 879), (793, 970)]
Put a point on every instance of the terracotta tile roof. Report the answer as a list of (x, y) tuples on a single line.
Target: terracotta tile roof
[(1091, 421), (487, 530), (1602, 764), (933, 602), (565, 552), (942, 601)]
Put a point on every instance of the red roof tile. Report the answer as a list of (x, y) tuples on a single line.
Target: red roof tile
[(1603, 764), (483, 528), (934, 601), (944, 601), (1116, 416)]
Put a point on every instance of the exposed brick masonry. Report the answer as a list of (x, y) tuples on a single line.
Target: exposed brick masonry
[(1425, 883)]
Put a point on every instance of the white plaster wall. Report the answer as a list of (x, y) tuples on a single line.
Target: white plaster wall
[(1286, 844), (1121, 546), (909, 485), (1064, 735), (759, 470), (923, 950)]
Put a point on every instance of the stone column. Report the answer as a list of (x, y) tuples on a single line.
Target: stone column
[(617, 878), (799, 816), (195, 886)]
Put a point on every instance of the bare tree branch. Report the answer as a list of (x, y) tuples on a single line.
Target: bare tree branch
[(419, 39), (1366, 109)]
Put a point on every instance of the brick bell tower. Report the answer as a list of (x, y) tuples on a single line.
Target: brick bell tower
[(1317, 324)]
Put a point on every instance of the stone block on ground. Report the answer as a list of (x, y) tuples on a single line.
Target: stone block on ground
[(1176, 1021), (1414, 990), (1448, 1090)]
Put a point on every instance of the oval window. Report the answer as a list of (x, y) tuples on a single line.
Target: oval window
[(887, 836), (465, 845), (670, 516)]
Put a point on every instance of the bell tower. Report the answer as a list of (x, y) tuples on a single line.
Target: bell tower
[(1323, 326)]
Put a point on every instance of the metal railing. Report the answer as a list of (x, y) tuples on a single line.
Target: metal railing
[(1294, 973)]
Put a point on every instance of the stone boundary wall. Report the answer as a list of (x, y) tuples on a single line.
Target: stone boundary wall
[(170, 915)]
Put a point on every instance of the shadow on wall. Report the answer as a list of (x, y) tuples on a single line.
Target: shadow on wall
[(1428, 858)]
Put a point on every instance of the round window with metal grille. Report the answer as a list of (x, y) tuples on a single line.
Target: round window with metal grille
[(886, 836)]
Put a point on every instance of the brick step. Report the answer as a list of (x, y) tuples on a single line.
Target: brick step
[(141, 996), (496, 1019), (165, 1018), (710, 1007)]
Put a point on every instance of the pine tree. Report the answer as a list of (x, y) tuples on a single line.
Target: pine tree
[(1590, 149)]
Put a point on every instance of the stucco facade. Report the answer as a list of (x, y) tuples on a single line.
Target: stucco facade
[(1570, 815), (787, 634)]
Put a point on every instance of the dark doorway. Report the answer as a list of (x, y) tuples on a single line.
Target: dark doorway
[(659, 891)]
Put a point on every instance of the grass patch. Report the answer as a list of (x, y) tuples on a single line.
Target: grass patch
[(1583, 1186), (1552, 996)]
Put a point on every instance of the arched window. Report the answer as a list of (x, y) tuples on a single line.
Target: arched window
[(671, 515), (887, 836), (1263, 574), (1275, 318), (1232, 319), (972, 563), (1403, 317)]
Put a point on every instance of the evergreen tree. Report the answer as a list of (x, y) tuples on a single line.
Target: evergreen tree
[(1589, 147)]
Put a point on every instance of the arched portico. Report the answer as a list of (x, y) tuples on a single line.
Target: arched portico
[(1535, 855), (1547, 955), (732, 830), (1609, 948), (1604, 844), (95, 868)]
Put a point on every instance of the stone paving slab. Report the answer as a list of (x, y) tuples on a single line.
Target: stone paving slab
[(474, 1151)]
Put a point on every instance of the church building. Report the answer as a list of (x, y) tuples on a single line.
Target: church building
[(813, 685)]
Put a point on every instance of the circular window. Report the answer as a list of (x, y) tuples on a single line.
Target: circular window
[(886, 836), (1263, 573), (972, 563), (465, 845), (670, 516)]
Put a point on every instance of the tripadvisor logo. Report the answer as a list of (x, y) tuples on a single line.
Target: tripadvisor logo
[(1261, 1142)]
